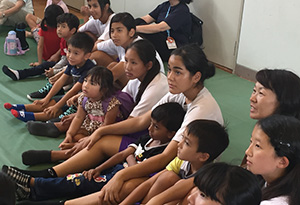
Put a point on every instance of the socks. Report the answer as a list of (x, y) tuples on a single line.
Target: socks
[(13, 74), (43, 129), (33, 157), (46, 173), (18, 107), (22, 115)]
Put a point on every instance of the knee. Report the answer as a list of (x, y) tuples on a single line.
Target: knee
[(29, 17)]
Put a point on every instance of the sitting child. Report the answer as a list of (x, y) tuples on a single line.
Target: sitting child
[(34, 21), (99, 104), (220, 183), (79, 50), (67, 25), (166, 119), (203, 141)]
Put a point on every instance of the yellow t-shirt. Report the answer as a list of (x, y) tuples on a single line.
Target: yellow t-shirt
[(175, 165)]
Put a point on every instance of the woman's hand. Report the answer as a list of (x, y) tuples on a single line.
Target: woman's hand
[(110, 192), (80, 145)]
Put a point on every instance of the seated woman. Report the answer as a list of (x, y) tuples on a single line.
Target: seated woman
[(273, 153), (14, 11), (171, 29)]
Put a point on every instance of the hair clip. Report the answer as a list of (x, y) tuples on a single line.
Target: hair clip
[(285, 144)]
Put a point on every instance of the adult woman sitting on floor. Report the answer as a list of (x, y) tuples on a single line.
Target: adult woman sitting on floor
[(172, 26)]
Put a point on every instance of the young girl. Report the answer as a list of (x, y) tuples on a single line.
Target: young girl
[(221, 183), (48, 46), (99, 104), (273, 153), (34, 21), (98, 25), (147, 85)]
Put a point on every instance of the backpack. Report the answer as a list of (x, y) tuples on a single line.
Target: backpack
[(196, 35), (12, 45)]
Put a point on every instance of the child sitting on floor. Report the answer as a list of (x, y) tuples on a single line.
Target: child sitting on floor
[(165, 121), (79, 50), (67, 25), (203, 141), (34, 21), (221, 183), (99, 104)]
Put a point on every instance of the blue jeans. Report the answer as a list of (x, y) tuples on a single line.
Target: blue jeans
[(72, 186)]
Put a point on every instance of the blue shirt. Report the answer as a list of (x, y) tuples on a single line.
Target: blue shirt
[(78, 74)]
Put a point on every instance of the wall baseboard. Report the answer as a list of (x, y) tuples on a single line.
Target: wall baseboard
[(245, 72)]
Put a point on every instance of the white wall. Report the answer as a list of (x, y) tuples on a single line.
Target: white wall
[(270, 35)]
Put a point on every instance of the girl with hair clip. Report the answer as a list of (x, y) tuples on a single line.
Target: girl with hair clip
[(97, 25), (168, 26), (221, 183), (273, 154), (48, 45)]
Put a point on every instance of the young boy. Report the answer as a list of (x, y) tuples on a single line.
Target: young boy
[(166, 119), (203, 141), (79, 50), (67, 25)]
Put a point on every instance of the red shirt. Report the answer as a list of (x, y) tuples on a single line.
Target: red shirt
[(51, 42)]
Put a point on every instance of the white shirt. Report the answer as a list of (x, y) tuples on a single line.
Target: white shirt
[(281, 200), (27, 7), (156, 89), (61, 4), (95, 26), (204, 106)]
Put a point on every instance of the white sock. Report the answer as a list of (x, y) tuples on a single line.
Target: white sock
[(15, 72)]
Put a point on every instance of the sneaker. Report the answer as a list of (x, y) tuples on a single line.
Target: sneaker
[(17, 176), (69, 111), (13, 74), (43, 92)]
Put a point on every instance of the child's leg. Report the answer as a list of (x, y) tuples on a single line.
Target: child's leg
[(163, 182), (31, 21), (91, 199)]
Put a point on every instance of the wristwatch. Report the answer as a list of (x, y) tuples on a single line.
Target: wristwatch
[(3, 14)]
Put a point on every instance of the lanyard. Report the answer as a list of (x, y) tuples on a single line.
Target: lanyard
[(168, 31)]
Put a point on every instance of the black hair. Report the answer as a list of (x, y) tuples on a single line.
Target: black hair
[(228, 184), (125, 18), (186, 1), (70, 19), (146, 53), (104, 78), (212, 137), (283, 132), (82, 41), (169, 115), (286, 85), (103, 3), (7, 190), (195, 61), (51, 12)]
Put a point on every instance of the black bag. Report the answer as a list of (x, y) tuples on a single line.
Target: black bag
[(196, 36)]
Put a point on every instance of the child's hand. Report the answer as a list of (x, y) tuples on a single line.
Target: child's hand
[(80, 145), (67, 119), (34, 64), (92, 173), (84, 10), (52, 111), (43, 102), (54, 78), (49, 73), (65, 146), (73, 101), (110, 192)]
